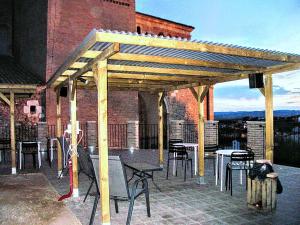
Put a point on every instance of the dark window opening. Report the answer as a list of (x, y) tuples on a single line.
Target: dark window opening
[(138, 30), (32, 109)]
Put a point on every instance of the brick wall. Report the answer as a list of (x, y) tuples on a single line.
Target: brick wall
[(256, 137), (68, 23), (211, 133), (153, 25)]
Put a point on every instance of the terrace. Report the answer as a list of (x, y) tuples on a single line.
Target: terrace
[(122, 61)]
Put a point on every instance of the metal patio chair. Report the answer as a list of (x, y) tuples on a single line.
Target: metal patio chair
[(210, 154), (238, 161), (86, 167), (179, 153), (119, 187), (65, 150)]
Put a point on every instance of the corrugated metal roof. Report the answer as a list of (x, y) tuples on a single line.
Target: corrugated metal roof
[(12, 72), (187, 54)]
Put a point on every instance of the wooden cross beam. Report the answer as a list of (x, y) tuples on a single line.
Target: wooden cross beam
[(108, 52), (195, 94), (204, 92), (162, 97), (4, 98)]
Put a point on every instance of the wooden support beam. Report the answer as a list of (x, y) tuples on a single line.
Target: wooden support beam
[(74, 128), (186, 72), (103, 140), (58, 132), (108, 52), (194, 46), (160, 128), (4, 98), (201, 167), (262, 90), (12, 133), (161, 99), (204, 93), (269, 117), (182, 61), (195, 94)]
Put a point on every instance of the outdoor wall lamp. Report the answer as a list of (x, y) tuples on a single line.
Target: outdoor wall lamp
[(83, 80)]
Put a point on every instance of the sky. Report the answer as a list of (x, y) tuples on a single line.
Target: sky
[(266, 24)]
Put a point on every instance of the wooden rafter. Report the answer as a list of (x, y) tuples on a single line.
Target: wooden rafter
[(194, 46), (4, 98), (111, 50), (195, 94)]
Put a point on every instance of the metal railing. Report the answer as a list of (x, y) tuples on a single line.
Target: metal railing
[(287, 143), (117, 134)]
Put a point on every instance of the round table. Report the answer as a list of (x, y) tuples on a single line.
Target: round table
[(226, 153)]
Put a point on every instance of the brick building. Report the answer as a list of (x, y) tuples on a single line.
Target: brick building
[(41, 34)]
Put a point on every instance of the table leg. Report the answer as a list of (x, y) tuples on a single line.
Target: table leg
[(241, 177), (20, 155), (51, 149), (196, 159), (174, 164), (221, 176), (39, 155), (217, 168)]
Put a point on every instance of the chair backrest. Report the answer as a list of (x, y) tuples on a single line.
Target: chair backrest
[(63, 144), (178, 149), (211, 148), (243, 158), (118, 186), (174, 141), (85, 162)]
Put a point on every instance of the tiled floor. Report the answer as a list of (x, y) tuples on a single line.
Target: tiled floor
[(187, 202)]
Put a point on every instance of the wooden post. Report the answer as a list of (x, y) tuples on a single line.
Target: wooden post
[(160, 129), (12, 133), (101, 74), (269, 117), (58, 132), (201, 135), (74, 128)]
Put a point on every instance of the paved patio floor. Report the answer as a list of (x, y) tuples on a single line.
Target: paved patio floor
[(187, 202)]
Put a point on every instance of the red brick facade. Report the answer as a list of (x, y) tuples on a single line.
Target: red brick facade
[(68, 24), (57, 27)]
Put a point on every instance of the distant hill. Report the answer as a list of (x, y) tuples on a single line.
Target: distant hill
[(260, 114)]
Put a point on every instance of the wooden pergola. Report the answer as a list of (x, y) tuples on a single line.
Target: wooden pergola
[(8, 93), (112, 60), (15, 81)]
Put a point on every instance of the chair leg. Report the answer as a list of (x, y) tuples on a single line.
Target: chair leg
[(130, 209), (214, 165), (147, 200), (94, 210), (231, 182), (192, 168), (168, 168), (88, 190), (185, 162), (226, 178), (116, 205)]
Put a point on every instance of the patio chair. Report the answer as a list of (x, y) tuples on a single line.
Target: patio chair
[(179, 153), (29, 149), (238, 161), (86, 167), (4, 147), (65, 150), (210, 154), (119, 188)]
